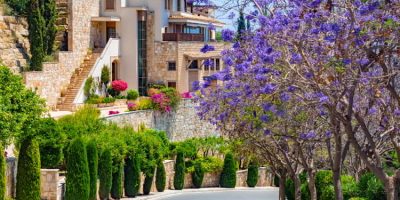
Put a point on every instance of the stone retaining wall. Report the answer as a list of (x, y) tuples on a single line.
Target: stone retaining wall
[(179, 125), (49, 184)]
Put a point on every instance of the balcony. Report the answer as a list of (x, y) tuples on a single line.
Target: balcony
[(183, 37)]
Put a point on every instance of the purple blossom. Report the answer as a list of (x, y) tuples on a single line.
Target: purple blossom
[(269, 88), (307, 136), (285, 97), (227, 35), (264, 118), (208, 63), (211, 26), (207, 48)]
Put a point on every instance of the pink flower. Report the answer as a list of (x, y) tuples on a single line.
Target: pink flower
[(119, 85), (186, 95), (111, 112)]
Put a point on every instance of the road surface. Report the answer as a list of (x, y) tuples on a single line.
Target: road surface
[(248, 194)]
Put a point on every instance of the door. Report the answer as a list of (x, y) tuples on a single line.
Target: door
[(111, 30)]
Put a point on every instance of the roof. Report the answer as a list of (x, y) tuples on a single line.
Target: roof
[(187, 17), (200, 55)]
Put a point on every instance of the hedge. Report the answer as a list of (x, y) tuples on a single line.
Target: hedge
[(78, 179), (132, 176), (198, 175), (323, 179), (93, 161), (160, 177), (28, 172), (179, 177), (116, 188), (252, 174), (105, 174), (228, 175), (2, 175), (148, 182)]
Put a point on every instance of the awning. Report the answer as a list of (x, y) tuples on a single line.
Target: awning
[(106, 19), (202, 56), (180, 17)]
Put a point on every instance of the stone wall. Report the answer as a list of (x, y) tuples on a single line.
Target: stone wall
[(49, 179), (56, 76), (14, 44), (179, 125), (11, 176)]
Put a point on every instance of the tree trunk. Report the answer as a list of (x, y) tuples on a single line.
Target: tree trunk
[(297, 187), (311, 185), (337, 183), (282, 181), (391, 189)]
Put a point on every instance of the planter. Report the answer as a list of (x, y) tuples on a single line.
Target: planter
[(120, 102), (110, 104), (102, 105)]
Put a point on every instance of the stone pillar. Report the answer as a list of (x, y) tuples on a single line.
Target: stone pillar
[(11, 176), (49, 183)]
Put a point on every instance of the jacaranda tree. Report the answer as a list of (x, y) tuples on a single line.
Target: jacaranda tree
[(335, 59)]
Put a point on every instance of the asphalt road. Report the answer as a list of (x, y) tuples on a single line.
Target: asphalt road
[(257, 194)]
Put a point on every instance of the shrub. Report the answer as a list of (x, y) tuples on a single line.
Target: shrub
[(108, 100), (305, 192), (323, 179), (119, 85), (116, 188), (19, 7), (148, 182), (132, 107), (161, 102), (328, 193), (2, 175), (370, 187), (228, 175), (145, 104), (160, 177), (51, 143), (88, 87), (36, 30), (153, 91), (289, 189), (132, 94), (173, 96), (28, 172), (105, 75), (198, 175), (349, 187), (105, 174), (358, 198), (93, 168), (179, 177), (252, 174), (78, 180), (132, 176)]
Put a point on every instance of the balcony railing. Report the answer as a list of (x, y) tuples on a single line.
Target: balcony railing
[(183, 37)]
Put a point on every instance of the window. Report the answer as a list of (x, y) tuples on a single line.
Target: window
[(194, 65), (192, 30), (110, 4), (179, 5), (172, 66), (172, 84), (217, 64)]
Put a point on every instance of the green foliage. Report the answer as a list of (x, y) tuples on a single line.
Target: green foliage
[(179, 177), (132, 176), (148, 182), (375, 190), (19, 7), (132, 94), (241, 25), (208, 164), (323, 179), (105, 174), (289, 189), (36, 27), (78, 178), (161, 177), (116, 188), (2, 175), (198, 175), (228, 175), (28, 172), (328, 193), (108, 100), (305, 192), (51, 142), (194, 147), (145, 104), (21, 109), (50, 17), (88, 88), (105, 75), (93, 158), (252, 175), (349, 186), (358, 198), (172, 95)]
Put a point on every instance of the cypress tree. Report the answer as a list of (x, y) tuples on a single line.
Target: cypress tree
[(179, 177), (228, 175), (50, 30), (36, 27), (252, 174), (116, 187), (241, 25), (28, 172), (2, 175), (198, 175), (105, 174), (132, 176), (160, 177), (78, 179), (148, 182), (93, 168)]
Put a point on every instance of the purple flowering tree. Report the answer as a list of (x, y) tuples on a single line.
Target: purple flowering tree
[(336, 60)]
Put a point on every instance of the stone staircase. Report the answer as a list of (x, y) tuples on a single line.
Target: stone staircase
[(66, 101)]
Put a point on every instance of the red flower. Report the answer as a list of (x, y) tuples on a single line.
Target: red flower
[(119, 85)]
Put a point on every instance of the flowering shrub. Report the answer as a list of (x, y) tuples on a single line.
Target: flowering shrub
[(119, 85), (186, 95), (153, 91), (132, 106), (112, 112), (161, 102)]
